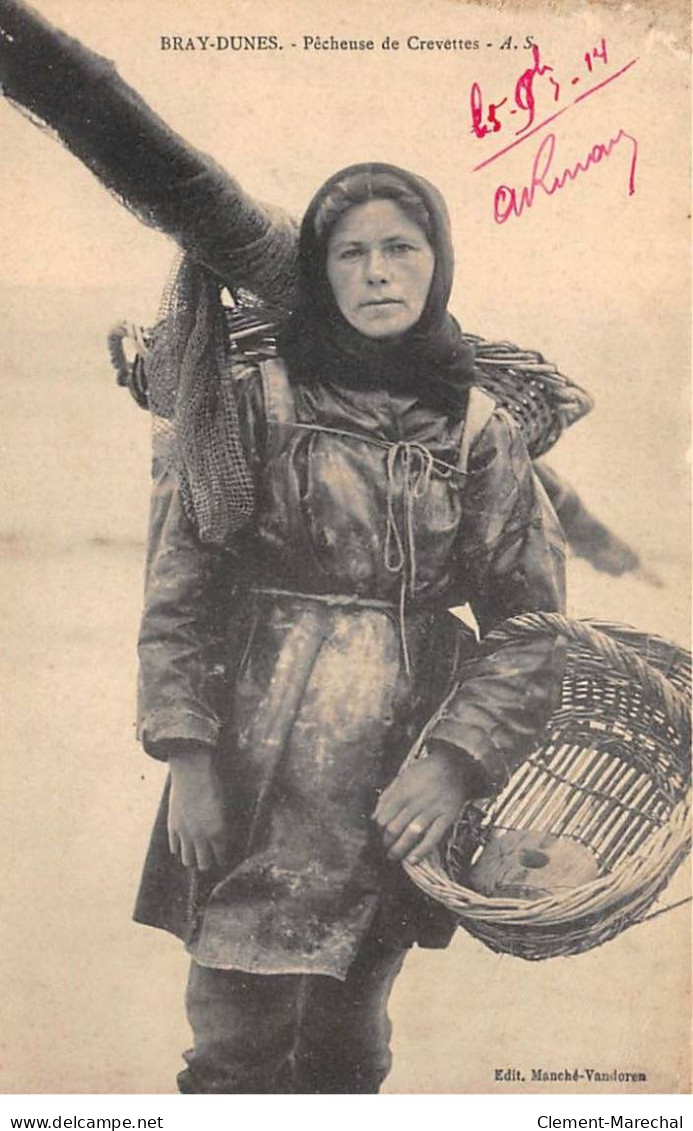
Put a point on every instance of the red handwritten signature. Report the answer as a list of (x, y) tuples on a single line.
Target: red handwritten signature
[(509, 201)]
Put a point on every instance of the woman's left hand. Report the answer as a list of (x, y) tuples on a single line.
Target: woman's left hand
[(423, 801)]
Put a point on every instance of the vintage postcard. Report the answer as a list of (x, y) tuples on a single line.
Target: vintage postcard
[(558, 138)]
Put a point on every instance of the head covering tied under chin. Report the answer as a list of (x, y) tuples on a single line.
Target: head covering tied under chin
[(431, 359)]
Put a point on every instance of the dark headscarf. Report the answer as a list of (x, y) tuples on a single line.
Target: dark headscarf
[(431, 359)]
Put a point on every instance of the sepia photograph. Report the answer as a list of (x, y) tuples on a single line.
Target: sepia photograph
[(345, 354)]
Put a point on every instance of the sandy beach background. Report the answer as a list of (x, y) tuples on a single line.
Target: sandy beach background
[(92, 1002)]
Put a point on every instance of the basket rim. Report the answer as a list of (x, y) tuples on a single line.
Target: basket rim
[(632, 885)]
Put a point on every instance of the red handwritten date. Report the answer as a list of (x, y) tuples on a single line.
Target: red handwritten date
[(486, 118)]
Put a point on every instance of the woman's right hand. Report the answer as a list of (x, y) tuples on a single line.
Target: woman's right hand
[(197, 827)]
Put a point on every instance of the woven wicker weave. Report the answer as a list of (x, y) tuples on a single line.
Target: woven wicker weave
[(610, 772), (542, 400)]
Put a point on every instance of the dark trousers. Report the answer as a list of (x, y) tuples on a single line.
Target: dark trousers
[(291, 1033)]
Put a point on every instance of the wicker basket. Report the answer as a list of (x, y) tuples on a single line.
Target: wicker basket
[(543, 401), (610, 773)]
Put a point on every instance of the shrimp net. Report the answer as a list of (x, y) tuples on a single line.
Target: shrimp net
[(193, 401), (191, 390)]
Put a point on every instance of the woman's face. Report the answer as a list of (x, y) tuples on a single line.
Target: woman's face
[(380, 265)]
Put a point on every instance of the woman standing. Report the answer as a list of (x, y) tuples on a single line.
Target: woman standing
[(289, 661), (320, 513)]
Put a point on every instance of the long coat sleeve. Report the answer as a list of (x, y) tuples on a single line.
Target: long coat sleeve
[(190, 605), (512, 552), (179, 640)]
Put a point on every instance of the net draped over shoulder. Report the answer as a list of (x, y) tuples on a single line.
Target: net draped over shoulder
[(312, 649)]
